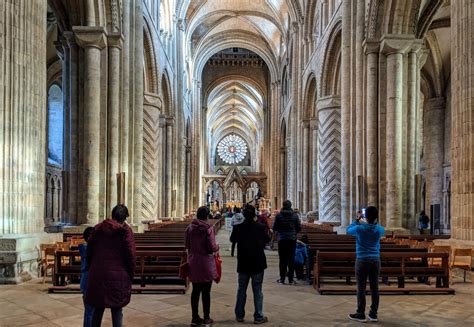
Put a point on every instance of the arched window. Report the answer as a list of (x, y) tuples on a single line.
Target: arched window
[(55, 125)]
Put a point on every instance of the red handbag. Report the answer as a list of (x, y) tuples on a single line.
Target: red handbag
[(218, 260)]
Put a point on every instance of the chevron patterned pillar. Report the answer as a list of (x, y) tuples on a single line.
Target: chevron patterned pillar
[(329, 127)]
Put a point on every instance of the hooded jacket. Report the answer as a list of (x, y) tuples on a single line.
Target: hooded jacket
[(287, 224), (111, 264), (301, 253), (201, 244), (367, 239)]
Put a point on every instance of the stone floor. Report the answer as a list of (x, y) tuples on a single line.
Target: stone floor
[(30, 305)]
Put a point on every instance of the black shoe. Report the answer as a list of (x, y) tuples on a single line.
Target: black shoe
[(281, 281), (360, 317), (372, 317), (261, 321), (197, 322), (291, 282), (239, 319)]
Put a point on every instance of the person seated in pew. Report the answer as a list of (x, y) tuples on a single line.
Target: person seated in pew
[(201, 245), (111, 263), (88, 309), (301, 255), (368, 234)]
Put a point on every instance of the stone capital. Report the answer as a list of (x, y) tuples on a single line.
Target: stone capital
[(162, 121), (391, 44), (169, 121), (115, 40), (90, 36), (181, 24), (328, 102), (295, 27), (314, 123), (305, 123), (371, 46)]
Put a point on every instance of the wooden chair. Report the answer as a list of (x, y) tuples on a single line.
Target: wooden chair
[(462, 259), (49, 258), (442, 249)]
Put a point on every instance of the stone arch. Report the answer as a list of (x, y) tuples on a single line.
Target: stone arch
[(330, 81), (150, 65), (310, 97), (166, 94)]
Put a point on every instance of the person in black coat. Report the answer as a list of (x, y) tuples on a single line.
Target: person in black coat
[(287, 225), (251, 238)]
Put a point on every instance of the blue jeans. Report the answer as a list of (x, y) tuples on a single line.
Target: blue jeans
[(88, 312), (117, 317), (367, 268), (257, 281)]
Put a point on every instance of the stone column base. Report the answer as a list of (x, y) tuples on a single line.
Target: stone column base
[(19, 255), (460, 244)]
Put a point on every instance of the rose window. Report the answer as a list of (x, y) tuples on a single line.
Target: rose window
[(232, 149)]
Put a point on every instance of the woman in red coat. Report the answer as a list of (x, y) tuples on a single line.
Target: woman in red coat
[(111, 259), (201, 245)]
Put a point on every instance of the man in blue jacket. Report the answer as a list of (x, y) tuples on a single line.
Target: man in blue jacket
[(367, 236)]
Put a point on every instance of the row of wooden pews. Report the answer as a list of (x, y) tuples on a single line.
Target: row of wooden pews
[(332, 260), (159, 251)]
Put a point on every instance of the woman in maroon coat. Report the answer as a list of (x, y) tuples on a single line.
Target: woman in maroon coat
[(201, 245), (111, 259)]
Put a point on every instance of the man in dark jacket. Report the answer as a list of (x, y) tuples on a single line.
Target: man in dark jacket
[(287, 225), (111, 261), (251, 238)]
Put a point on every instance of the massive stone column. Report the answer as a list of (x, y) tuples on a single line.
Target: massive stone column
[(372, 49), (462, 27), (22, 115), (394, 49), (434, 150), (345, 113), (115, 45), (93, 40), (329, 121), (73, 122), (169, 165), (314, 165), (305, 166)]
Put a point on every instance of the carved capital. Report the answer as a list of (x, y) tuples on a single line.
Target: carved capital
[(162, 121), (115, 40), (169, 121), (437, 103), (314, 123), (90, 36), (391, 44), (181, 24), (371, 46), (305, 123), (328, 102)]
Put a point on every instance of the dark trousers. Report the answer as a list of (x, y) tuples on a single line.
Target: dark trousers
[(367, 268), (299, 270), (286, 252), (117, 317), (257, 281), (205, 290)]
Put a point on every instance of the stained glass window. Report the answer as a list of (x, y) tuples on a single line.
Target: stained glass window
[(232, 149)]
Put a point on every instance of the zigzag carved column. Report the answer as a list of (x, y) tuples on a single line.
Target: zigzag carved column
[(151, 156), (329, 127)]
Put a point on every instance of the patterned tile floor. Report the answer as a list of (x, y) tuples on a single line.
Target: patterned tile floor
[(29, 304)]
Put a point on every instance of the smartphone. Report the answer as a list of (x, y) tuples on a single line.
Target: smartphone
[(363, 210)]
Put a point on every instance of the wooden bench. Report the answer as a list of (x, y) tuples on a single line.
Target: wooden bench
[(157, 270), (400, 265)]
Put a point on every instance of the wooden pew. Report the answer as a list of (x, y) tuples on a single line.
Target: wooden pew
[(401, 265)]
